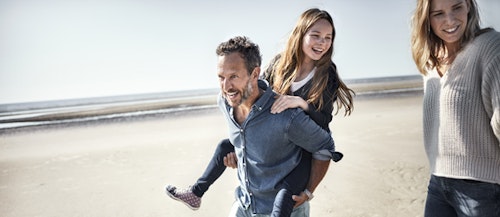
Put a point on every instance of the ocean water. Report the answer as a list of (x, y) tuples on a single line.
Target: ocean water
[(70, 49)]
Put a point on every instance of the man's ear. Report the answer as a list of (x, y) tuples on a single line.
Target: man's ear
[(255, 73)]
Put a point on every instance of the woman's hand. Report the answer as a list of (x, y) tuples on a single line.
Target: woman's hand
[(284, 102)]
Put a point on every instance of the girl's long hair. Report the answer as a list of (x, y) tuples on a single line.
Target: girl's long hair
[(285, 70)]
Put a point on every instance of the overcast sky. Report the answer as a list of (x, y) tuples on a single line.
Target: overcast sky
[(66, 49)]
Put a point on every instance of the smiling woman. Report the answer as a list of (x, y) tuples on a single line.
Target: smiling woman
[(54, 49), (460, 64), (448, 20)]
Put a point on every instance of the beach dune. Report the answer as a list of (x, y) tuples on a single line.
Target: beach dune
[(119, 168)]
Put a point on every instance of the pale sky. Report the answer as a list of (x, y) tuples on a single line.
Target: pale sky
[(67, 49)]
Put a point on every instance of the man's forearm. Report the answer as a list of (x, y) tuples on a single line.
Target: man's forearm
[(318, 172)]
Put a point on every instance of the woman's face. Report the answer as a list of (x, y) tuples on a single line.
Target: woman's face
[(448, 20), (317, 40)]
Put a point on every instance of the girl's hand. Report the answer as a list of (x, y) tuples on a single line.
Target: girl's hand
[(284, 102), (230, 160)]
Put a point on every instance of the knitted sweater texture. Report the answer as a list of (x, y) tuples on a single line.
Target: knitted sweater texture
[(461, 113)]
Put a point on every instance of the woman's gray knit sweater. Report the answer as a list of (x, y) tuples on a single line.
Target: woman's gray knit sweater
[(462, 113)]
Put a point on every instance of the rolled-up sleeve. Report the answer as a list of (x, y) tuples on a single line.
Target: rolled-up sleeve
[(322, 155), (305, 133)]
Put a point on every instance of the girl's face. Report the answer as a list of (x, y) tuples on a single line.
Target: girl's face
[(448, 20), (317, 40)]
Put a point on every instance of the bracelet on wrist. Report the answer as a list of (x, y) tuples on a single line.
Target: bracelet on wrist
[(309, 194)]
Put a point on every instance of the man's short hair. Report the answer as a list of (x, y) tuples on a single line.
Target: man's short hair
[(248, 50)]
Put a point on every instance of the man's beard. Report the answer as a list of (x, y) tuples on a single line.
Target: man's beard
[(245, 94)]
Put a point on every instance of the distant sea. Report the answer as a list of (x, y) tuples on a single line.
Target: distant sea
[(126, 107)]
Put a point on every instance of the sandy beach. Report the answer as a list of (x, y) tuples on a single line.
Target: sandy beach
[(120, 168)]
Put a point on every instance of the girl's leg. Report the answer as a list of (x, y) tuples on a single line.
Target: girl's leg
[(214, 169), (192, 196), (293, 184)]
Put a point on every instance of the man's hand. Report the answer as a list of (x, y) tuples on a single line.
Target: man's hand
[(300, 199), (230, 160)]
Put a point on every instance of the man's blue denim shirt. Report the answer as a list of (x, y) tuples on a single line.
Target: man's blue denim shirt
[(268, 147)]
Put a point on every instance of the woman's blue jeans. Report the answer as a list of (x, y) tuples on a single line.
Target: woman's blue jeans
[(448, 197)]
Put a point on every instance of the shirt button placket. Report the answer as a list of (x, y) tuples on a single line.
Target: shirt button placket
[(244, 162)]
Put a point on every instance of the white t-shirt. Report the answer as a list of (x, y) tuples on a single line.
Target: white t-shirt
[(297, 85)]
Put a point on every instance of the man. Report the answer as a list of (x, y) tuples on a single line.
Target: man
[(267, 146)]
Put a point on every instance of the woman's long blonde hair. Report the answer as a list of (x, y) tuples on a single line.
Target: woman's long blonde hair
[(285, 69), (426, 47)]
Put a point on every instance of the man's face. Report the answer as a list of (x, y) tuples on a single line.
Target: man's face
[(234, 79)]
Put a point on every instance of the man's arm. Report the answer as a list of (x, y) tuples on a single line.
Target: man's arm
[(318, 172), (307, 134)]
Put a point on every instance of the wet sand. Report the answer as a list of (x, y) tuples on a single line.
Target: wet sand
[(120, 168)]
